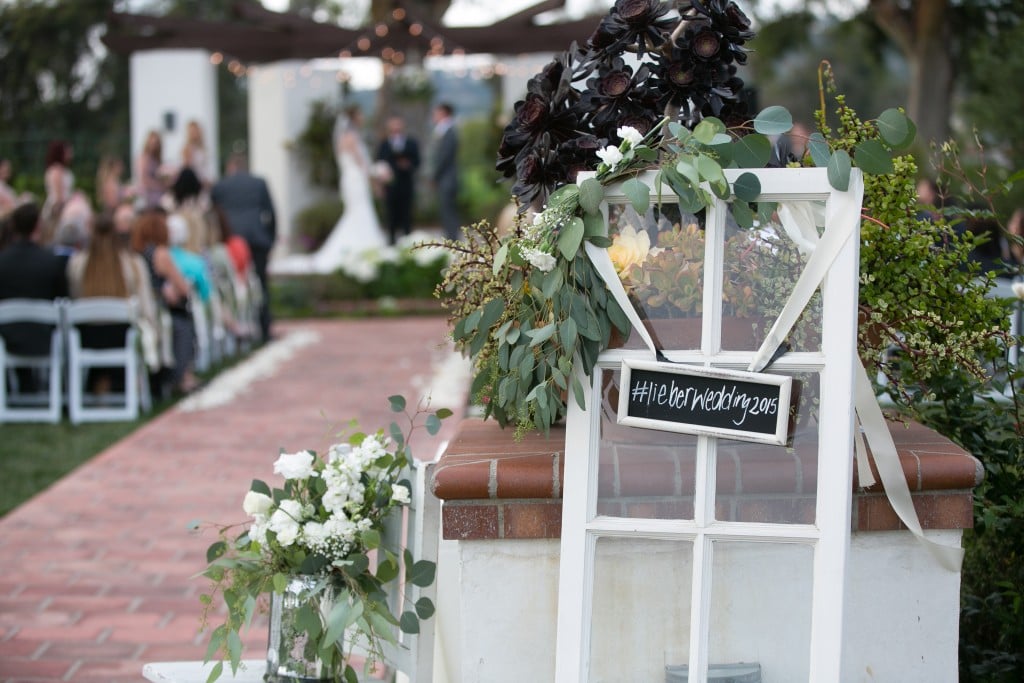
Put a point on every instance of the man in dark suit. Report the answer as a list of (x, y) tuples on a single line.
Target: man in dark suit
[(402, 155), (445, 172), (245, 201), (29, 271)]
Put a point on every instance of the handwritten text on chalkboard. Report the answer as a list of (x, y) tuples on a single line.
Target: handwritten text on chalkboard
[(696, 400)]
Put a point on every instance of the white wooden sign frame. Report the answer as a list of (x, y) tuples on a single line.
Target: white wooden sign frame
[(783, 385), (828, 536)]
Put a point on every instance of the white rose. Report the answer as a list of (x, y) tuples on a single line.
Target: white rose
[(256, 503), (295, 465), (285, 522), (400, 494), (1018, 289), (610, 155), (630, 247), (541, 260), (630, 134)]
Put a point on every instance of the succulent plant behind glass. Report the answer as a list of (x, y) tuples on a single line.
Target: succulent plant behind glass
[(575, 105)]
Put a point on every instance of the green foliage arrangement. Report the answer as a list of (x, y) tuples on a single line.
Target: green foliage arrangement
[(322, 523), (313, 224), (525, 305)]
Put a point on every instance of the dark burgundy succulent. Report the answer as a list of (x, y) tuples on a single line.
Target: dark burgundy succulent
[(578, 101)]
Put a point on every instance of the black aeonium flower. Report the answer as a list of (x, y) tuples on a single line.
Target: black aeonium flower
[(538, 172), (639, 25)]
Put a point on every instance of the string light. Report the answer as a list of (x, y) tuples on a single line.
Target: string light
[(381, 30), (216, 58), (398, 14), (344, 54), (387, 53), (363, 44), (415, 29)]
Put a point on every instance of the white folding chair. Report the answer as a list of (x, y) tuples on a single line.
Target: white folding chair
[(84, 406), (204, 336), (420, 531), (22, 404)]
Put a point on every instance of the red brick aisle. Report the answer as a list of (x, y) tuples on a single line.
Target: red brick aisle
[(98, 570)]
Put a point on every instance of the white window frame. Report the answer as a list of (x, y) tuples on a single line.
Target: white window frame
[(829, 536)]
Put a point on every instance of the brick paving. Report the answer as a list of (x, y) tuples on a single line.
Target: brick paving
[(99, 570)]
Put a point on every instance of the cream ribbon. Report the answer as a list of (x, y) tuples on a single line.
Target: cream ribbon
[(799, 220)]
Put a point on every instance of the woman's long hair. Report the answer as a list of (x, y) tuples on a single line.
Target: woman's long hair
[(103, 275)]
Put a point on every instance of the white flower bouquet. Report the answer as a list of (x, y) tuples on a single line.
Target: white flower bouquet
[(322, 522)]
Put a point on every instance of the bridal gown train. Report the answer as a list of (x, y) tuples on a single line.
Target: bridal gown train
[(358, 231)]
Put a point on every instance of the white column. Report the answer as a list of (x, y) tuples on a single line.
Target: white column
[(169, 88), (280, 99)]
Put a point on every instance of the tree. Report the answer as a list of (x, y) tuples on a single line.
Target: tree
[(936, 37), (58, 82)]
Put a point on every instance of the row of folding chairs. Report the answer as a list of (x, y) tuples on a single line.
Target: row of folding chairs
[(33, 385), (238, 298)]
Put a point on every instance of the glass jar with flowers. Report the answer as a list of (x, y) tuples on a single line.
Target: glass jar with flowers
[(317, 547)]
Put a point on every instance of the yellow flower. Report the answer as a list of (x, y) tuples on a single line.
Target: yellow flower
[(629, 248)]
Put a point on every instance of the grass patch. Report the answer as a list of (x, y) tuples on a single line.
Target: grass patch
[(34, 456)]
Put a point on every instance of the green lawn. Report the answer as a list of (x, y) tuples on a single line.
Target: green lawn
[(33, 456)]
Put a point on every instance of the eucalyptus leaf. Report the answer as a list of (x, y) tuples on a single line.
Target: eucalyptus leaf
[(895, 128), (600, 241), (567, 333), (570, 238), (742, 214), (591, 195), (551, 283), (397, 403), (723, 151), (638, 194), (259, 487), (215, 672), (578, 394), (873, 157), (541, 335), (820, 151), (387, 571), (747, 187), (421, 573), (593, 225), (720, 139), (499, 259), (337, 621), (646, 153), (774, 120), (432, 424), (705, 131), (839, 170), (570, 191), (491, 312), (752, 151), (679, 131), (424, 608), (409, 623)]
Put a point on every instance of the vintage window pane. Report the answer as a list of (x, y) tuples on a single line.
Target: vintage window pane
[(641, 608), (762, 265), (761, 608), (660, 260), (642, 473), (761, 483)]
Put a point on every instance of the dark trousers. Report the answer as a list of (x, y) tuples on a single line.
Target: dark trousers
[(398, 200), (260, 257)]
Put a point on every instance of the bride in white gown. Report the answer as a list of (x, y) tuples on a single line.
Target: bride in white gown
[(358, 230)]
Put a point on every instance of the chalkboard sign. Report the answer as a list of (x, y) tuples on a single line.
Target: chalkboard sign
[(748, 406)]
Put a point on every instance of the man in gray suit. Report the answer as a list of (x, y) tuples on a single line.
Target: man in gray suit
[(445, 172), (246, 203)]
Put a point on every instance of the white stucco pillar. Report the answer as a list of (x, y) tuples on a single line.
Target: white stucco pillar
[(280, 99), (169, 88)]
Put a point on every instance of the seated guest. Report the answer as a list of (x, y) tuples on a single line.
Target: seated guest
[(104, 270), (150, 239), (156, 349), (29, 271)]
